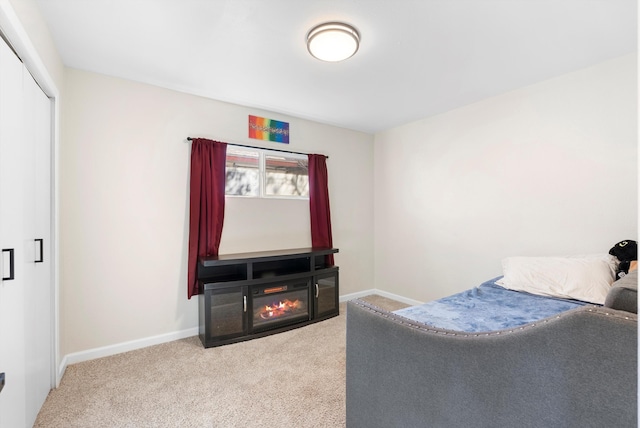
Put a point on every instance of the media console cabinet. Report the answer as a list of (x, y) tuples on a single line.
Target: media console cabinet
[(251, 295)]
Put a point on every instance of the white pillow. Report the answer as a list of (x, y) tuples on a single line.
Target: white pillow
[(586, 278)]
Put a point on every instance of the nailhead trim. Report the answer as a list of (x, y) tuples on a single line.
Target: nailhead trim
[(424, 327)]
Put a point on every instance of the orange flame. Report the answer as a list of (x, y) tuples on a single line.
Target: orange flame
[(279, 309)]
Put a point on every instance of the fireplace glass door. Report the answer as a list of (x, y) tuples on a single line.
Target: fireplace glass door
[(326, 294), (279, 304), (227, 314)]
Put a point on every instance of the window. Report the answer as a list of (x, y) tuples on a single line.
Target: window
[(242, 172), (266, 173)]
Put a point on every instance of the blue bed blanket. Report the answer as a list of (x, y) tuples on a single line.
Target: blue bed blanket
[(488, 307)]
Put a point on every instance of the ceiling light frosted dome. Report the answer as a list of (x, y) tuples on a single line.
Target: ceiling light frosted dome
[(333, 41)]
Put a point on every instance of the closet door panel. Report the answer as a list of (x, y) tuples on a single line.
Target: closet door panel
[(12, 296), (38, 355)]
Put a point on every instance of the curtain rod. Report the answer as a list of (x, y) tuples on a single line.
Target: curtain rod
[(264, 148)]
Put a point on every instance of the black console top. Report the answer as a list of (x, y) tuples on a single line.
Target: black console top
[(258, 256)]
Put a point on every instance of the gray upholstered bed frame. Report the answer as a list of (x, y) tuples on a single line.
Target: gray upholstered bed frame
[(576, 369)]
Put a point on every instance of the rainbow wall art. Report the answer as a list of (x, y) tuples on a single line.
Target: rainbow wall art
[(262, 128)]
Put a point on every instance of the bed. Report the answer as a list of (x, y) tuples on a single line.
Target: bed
[(561, 362)]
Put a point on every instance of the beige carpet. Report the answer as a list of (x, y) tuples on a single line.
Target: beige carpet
[(291, 379)]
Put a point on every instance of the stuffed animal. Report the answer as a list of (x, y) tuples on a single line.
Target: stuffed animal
[(626, 252)]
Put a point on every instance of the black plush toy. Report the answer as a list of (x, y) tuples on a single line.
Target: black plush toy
[(625, 252)]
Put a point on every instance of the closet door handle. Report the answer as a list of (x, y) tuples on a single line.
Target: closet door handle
[(317, 290), (41, 259), (244, 303), (11, 265)]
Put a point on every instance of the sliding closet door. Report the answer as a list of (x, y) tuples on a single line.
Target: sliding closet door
[(37, 132), (12, 241), (25, 238)]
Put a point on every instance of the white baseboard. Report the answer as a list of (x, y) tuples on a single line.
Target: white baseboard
[(359, 294), (382, 293), (106, 351)]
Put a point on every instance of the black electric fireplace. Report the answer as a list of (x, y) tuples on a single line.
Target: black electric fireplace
[(255, 294), (278, 305)]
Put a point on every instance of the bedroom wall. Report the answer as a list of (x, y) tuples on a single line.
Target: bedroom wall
[(124, 206), (549, 169)]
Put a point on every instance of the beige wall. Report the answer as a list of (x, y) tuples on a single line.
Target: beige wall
[(549, 169), (124, 205)]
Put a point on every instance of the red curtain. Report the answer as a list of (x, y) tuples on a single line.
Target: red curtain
[(206, 215), (319, 204)]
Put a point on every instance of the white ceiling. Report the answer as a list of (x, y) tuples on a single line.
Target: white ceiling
[(417, 57)]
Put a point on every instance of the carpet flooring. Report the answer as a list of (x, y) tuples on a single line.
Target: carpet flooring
[(290, 379)]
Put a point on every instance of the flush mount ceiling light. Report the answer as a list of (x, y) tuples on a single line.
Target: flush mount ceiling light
[(333, 41)]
